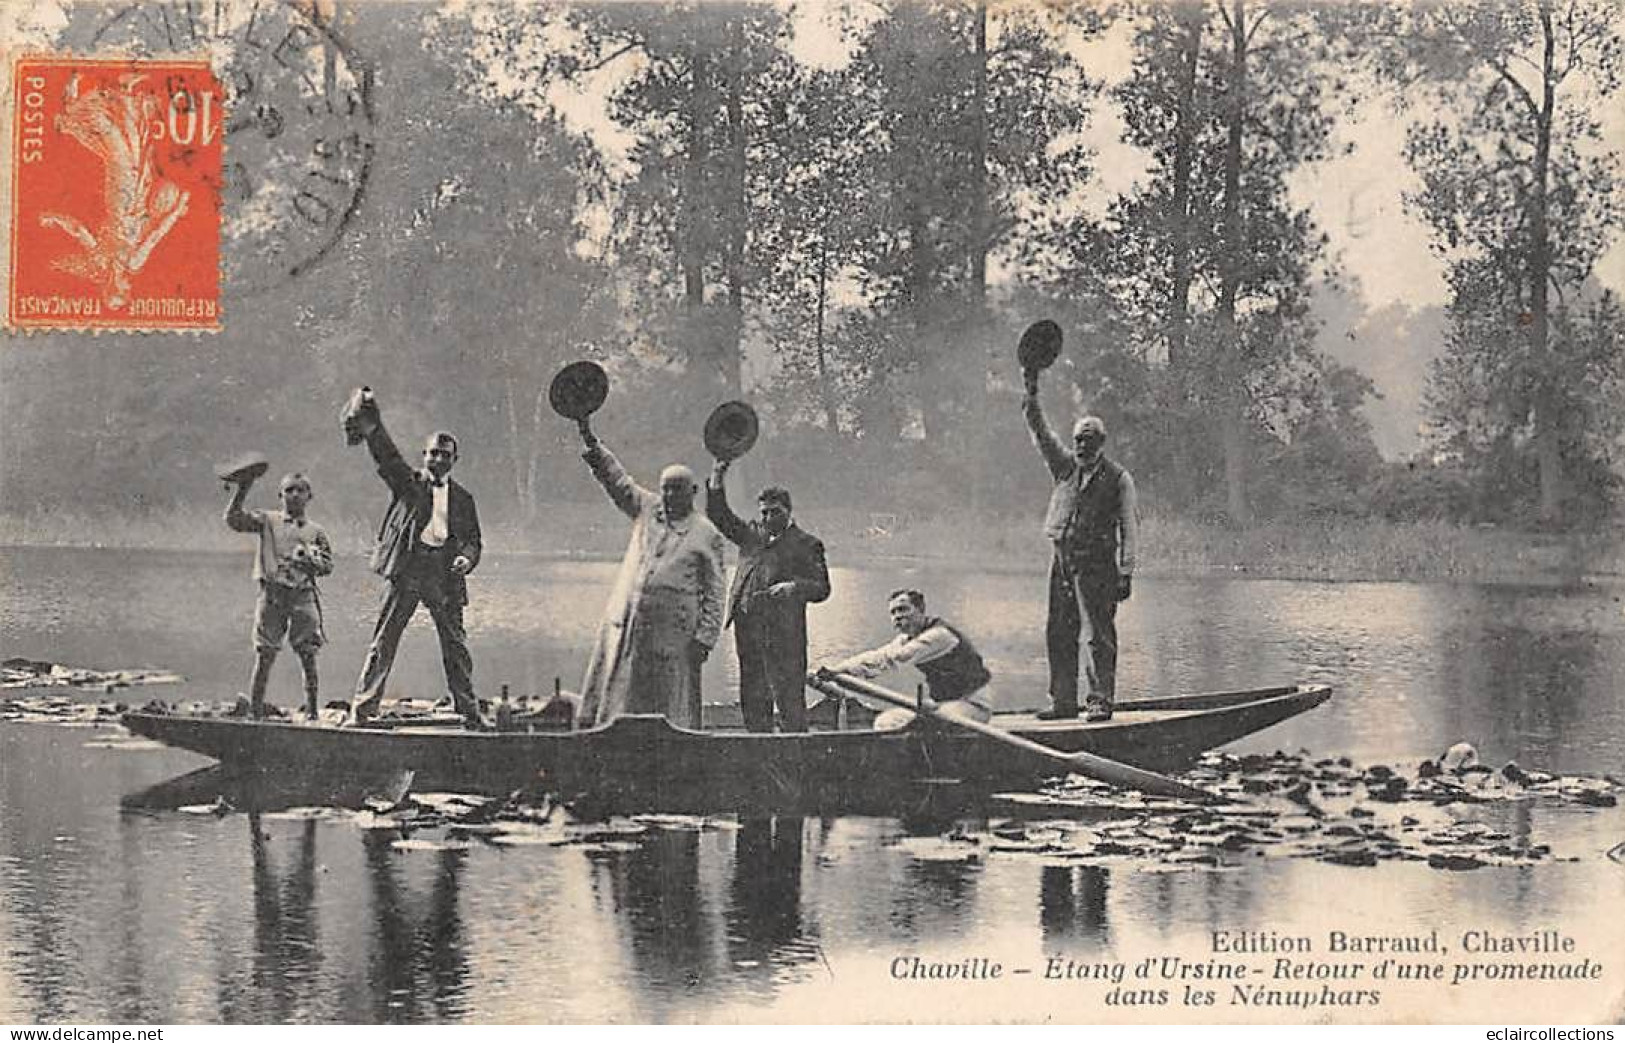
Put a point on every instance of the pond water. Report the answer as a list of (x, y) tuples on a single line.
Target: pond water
[(125, 915)]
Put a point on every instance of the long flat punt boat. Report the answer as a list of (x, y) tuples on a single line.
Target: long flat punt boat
[(639, 752)]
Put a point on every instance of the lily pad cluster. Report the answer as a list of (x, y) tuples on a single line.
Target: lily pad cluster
[(1457, 777), (60, 709), (521, 713), (461, 822), (1291, 806), (20, 673)]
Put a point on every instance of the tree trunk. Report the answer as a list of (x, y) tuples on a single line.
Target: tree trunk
[(1179, 217), (1232, 374), (927, 350), (1190, 16), (540, 414), (1548, 448), (736, 208), (826, 390), (979, 244), (690, 234), (517, 452), (980, 349)]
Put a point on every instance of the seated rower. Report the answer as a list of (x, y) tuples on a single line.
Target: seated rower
[(956, 678)]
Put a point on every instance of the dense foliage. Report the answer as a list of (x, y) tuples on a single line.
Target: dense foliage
[(852, 236)]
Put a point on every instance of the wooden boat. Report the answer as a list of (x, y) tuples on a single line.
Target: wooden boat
[(648, 754)]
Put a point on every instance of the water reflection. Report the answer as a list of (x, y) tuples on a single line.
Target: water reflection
[(668, 930), (1072, 905), (764, 926), (126, 986), (248, 790), (1538, 685), (417, 969), (287, 956), (333, 923), (933, 897)]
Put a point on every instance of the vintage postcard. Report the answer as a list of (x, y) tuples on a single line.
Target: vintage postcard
[(838, 512)]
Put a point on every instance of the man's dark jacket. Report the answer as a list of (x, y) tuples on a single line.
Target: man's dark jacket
[(411, 511), (796, 556)]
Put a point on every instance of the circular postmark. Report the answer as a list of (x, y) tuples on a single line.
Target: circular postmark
[(298, 119)]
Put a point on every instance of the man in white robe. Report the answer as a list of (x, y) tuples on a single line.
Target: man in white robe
[(665, 612)]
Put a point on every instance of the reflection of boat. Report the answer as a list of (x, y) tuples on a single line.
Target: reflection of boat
[(643, 753), (230, 788)]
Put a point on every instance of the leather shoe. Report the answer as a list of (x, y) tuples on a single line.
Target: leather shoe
[(1057, 713), (1097, 713), (356, 717)]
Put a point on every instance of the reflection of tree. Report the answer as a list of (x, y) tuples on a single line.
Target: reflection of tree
[(417, 970), (933, 890), (129, 999), (1072, 903), (1538, 685), (44, 964), (657, 889), (1537, 678), (932, 887), (287, 959), (764, 915)]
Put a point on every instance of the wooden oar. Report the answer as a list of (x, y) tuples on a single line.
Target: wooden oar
[(1087, 764)]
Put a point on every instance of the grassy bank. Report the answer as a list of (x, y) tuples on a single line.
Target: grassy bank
[(1340, 549)]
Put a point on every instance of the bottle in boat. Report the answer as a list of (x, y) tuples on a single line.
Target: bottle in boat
[(504, 712)]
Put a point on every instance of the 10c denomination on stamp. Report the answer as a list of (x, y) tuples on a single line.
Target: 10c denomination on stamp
[(116, 186)]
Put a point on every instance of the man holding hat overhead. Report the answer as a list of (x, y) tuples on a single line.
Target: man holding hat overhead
[(1092, 523), (781, 569), (428, 543), (293, 551), (665, 612)]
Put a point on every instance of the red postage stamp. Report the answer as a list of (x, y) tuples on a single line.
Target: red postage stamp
[(116, 177)]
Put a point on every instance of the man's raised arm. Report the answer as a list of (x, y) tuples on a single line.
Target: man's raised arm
[(627, 494), (1055, 455), (717, 509)]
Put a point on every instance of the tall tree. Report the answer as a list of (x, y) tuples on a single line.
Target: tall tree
[(492, 208), (1519, 187), (815, 200), (690, 91), (1208, 258), (977, 114), (698, 105)]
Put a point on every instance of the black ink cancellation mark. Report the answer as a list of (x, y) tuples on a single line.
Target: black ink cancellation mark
[(299, 123)]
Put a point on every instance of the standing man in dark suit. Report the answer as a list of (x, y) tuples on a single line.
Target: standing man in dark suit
[(781, 569), (428, 543), (1093, 524)]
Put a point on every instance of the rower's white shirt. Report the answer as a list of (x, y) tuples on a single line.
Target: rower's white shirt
[(438, 530), (933, 642)]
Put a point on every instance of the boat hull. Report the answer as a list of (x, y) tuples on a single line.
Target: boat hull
[(648, 753)]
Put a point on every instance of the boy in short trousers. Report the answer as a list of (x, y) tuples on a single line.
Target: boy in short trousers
[(293, 551)]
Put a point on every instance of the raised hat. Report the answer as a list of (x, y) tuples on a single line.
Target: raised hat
[(578, 390), (243, 468), (731, 430), (1040, 345)]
